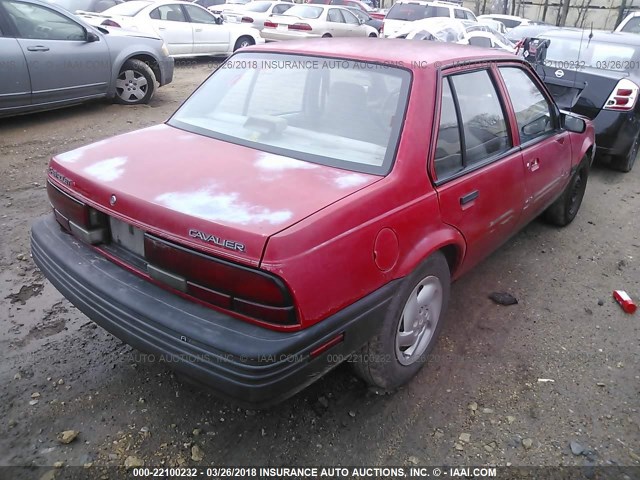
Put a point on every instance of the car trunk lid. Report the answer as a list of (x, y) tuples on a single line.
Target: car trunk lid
[(583, 90), (201, 192)]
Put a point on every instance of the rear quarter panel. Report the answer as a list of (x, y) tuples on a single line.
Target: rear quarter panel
[(328, 259)]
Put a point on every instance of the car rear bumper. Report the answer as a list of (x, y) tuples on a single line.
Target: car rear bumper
[(273, 35), (615, 132), (248, 364)]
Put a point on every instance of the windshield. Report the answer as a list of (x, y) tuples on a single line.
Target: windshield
[(127, 9), (409, 12), (574, 53), (328, 111), (304, 11)]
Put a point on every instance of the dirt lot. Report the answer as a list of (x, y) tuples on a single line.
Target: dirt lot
[(486, 377)]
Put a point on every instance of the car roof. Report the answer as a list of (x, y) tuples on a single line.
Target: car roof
[(598, 35), (392, 51)]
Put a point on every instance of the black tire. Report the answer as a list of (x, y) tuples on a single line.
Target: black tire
[(565, 208), (129, 88), (326, 35), (378, 363), (373, 35), (242, 42), (625, 164)]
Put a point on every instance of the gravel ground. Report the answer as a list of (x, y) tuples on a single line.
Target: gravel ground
[(509, 385)]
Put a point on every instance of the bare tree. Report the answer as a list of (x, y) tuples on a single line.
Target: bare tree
[(621, 11), (544, 10), (565, 12)]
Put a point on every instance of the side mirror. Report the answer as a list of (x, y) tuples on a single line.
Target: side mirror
[(572, 123), (361, 21), (92, 37)]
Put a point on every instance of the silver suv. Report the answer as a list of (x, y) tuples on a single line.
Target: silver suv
[(50, 58)]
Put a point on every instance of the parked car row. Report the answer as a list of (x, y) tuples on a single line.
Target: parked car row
[(50, 58)]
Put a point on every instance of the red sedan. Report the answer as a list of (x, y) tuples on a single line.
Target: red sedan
[(311, 200)]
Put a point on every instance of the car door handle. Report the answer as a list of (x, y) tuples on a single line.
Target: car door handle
[(38, 48), (560, 140), (198, 29), (469, 197), (533, 165), (162, 28)]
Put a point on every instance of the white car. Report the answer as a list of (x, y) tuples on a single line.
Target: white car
[(312, 20), (188, 30), (509, 21), (404, 12), (456, 31), (255, 13)]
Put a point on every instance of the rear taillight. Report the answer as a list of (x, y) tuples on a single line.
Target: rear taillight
[(74, 216), (247, 20), (110, 23), (250, 292), (300, 26), (382, 29), (623, 97), (270, 24)]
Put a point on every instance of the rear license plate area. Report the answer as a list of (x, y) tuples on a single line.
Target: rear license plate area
[(127, 236)]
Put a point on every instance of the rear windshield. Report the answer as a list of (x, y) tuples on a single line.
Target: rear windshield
[(409, 12), (328, 111), (127, 9), (304, 11), (74, 5), (509, 22), (257, 7), (577, 54)]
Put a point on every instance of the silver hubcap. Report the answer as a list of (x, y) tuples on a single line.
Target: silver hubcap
[(131, 86), (244, 44), (419, 320)]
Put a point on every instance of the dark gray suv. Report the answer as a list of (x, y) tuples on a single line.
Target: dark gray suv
[(49, 58)]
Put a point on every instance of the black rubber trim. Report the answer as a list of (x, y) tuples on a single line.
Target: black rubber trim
[(249, 364)]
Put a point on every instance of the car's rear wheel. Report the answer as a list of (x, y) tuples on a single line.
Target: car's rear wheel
[(326, 35), (410, 328), (243, 42), (135, 84), (564, 209), (373, 35), (625, 164)]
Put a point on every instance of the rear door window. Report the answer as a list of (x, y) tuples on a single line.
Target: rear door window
[(484, 128), (172, 13), (335, 16), (448, 157)]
